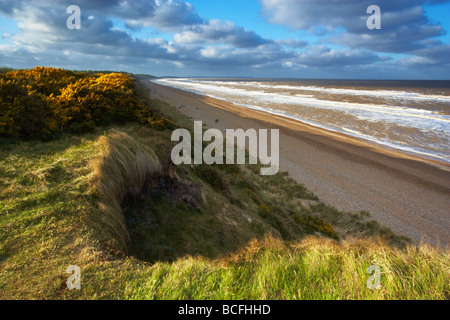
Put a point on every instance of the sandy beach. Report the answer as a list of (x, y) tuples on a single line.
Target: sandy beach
[(410, 195)]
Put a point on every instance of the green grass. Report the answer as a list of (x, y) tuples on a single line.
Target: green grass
[(191, 232), (312, 269)]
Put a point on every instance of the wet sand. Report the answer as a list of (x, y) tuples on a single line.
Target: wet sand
[(410, 195)]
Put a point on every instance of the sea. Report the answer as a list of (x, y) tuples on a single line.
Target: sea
[(409, 115)]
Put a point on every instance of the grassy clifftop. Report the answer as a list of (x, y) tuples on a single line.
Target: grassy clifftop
[(110, 201)]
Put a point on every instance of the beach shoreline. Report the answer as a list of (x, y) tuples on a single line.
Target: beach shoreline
[(408, 194)]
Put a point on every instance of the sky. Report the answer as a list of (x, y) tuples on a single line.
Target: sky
[(232, 38)]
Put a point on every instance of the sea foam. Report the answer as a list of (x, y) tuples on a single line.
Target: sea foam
[(403, 125)]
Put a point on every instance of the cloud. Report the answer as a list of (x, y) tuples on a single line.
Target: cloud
[(216, 47), (168, 15), (217, 31), (293, 43), (44, 39), (43, 31), (405, 26), (263, 54), (433, 55), (321, 56), (165, 15)]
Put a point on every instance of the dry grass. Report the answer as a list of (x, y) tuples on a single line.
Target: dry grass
[(314, 268), (123, 169)]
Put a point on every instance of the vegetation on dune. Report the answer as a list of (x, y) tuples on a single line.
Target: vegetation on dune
[(124, 168), (315, 268), (5, 69), (46, 102), (109, 200)]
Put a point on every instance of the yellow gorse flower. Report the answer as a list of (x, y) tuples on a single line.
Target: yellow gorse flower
[(47, 101)]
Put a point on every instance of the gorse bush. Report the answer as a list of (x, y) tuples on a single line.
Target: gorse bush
[(319, 225), (45, 102)]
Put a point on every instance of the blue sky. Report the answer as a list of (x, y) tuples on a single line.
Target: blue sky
[(232, 38)]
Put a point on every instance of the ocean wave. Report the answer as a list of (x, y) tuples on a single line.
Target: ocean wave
[(435, 126), (385, 94)]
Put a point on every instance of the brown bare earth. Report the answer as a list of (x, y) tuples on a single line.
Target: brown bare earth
[(407, 194)]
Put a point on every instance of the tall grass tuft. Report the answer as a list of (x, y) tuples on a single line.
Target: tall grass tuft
[(311, 269), (124, 169)]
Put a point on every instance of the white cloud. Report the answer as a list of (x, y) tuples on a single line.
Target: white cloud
[(212, 46), (405, 26), (218, 31)]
